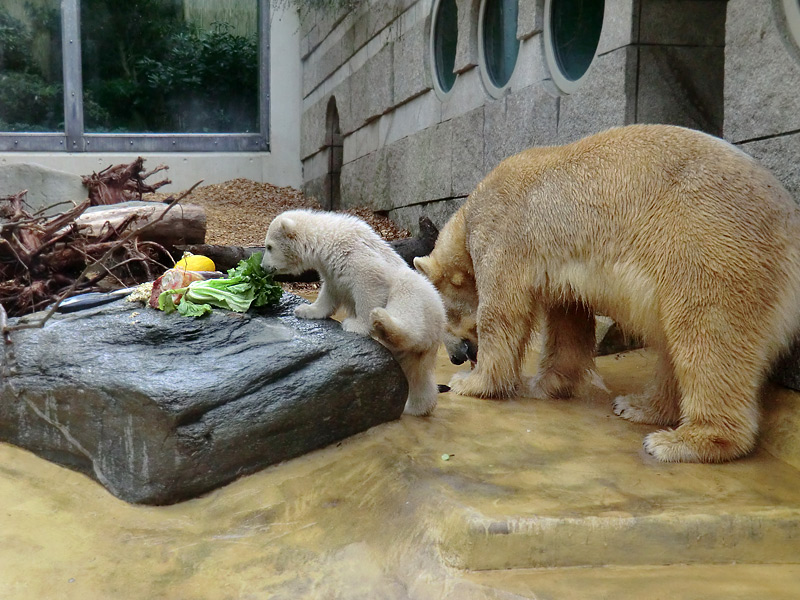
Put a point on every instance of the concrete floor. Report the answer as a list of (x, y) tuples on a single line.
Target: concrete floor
[(546, 500)]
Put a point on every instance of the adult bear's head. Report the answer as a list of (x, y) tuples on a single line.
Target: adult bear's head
[(449, 268)]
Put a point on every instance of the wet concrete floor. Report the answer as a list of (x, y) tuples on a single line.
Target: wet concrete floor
[(485, 499)]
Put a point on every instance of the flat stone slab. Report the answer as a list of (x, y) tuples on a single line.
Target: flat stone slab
[(160, 408), (46, 187)]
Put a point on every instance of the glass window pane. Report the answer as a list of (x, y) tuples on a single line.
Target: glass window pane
[(500, 42), (444, 43), (575, 27), (170, 66), (31, 89)]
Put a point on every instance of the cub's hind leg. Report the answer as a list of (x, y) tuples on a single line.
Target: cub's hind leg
[(567, 353), (418, 362), (658, 405)]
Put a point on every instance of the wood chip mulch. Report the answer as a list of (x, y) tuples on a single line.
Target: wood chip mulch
[(239, 211)]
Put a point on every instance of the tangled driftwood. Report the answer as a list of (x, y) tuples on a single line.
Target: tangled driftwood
[(120, 183), (46, 259)]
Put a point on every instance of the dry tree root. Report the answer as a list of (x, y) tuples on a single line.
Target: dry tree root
[(121, 183), (44, 260)]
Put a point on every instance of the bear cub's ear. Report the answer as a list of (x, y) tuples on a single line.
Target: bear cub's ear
[(289, 227)]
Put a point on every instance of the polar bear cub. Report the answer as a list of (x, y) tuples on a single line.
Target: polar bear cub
[(379, 294)]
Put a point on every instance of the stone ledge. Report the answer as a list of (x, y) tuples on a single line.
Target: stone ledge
[(160, 408)]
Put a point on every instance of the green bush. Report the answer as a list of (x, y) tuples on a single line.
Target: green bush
[(144, 70)]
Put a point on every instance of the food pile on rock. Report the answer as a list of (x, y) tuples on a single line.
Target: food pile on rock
[(193, 287)]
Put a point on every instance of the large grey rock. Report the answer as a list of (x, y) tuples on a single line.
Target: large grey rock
[(160, 408), (45, 186)]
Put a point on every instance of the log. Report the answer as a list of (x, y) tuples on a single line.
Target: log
[(184, 224)]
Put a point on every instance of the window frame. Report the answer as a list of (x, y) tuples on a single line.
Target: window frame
[(437, 86), (488, 81), (564, 83), (75, 139)]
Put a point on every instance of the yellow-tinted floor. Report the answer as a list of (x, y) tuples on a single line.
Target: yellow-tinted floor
[(485, 499)]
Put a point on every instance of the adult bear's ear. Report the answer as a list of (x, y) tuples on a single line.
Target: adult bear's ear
[(289, 227), (427, 266)]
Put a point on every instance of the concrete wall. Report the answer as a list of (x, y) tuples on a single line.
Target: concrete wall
[(281, 166), (408, 151), (762, 87)]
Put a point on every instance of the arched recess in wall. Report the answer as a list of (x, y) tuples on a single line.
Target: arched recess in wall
[(333, 143)]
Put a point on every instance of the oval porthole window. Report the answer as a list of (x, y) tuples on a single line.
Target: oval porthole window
[(571, 36), (443, 44), (499, 46), (792, 10)]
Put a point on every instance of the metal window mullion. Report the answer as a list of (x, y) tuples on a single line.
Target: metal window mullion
[(264, 71), (73, 82)]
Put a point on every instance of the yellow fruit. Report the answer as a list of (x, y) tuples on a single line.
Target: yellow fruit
[(195, 262)]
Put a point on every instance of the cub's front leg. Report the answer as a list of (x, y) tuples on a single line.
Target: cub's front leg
[(322, 308)]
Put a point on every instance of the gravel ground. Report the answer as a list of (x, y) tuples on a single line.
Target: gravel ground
[(239, 211)]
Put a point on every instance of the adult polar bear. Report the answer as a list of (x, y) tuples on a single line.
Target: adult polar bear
[(377, 291), (673, 233)]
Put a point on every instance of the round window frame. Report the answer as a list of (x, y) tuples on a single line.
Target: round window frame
[(563, 83), (791, 11), (437, 87), (486, 78)]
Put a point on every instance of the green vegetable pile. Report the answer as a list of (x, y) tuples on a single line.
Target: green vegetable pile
[(246, 285)]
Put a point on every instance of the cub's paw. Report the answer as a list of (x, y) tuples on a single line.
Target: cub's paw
[(355, 326), (638, 408), (309, 311), (419, 407)]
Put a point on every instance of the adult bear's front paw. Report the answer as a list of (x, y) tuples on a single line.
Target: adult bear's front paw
[(474, 383)]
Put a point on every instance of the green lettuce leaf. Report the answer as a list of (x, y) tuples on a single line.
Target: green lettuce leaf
[(190, 309)]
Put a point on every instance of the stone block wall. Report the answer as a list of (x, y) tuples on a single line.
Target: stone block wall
[(762, 87), (408, 151)]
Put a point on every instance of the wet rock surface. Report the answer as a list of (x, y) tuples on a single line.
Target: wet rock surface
[(159, 408)]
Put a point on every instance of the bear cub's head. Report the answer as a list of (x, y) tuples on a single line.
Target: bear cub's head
[(280, 247)]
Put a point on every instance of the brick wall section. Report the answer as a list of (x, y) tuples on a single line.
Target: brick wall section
[(762, 88), (408, 152)]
